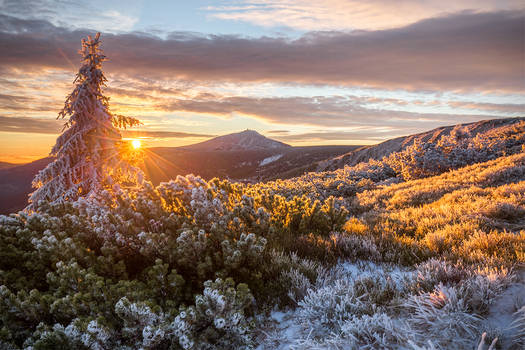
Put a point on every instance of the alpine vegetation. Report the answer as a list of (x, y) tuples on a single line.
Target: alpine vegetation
[(422, 249)]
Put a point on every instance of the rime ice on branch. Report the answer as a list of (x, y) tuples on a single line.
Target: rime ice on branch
[(89, 154)]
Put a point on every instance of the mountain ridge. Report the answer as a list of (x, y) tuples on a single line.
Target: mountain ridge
[(245, 140), (385, 148), (5, 165)]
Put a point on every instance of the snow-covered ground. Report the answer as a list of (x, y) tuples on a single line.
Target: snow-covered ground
[(335, 313), (271, 159), (502, 314)]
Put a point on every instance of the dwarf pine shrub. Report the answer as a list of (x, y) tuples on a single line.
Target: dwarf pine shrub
[(198, 264)]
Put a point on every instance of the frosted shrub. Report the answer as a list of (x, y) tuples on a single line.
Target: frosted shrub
[(205, 210), (57, 244), (336, 213), (56, 337), (96, 336), (378, 331), (298, 284), (141, 326), (483, 286), (304, 215), (324, 310), (346, 308), (435, 271), (353, 247), (377, 291), (21, 309), (217, 320), (79, 334), (419, 160), (191, 249), (310, 268), (202, 255), (246, 249), (423, 159), (443, 316), (293, 277), (131, 268)]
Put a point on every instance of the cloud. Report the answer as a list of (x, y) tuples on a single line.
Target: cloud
[(506, 107), (278, 132), (321, 111), (163, 134), (75, 14), (30, 125), (191, 75), (369, 135), (341, 112), (467, 51), (26, 103), (54, 127), (347, 14)]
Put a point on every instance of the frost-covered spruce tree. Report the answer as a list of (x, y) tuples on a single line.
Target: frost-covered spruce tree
[(89, 154)]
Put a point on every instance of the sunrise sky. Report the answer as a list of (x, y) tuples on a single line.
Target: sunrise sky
[(305, 72)]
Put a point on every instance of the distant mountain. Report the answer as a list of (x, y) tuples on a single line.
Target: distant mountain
[(246, 155), (5, 165), (248, 140), (15, 185), (363, 154), (165, 163)]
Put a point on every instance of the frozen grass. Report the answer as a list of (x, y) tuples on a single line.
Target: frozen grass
[(518, 327), (364, 305), (336, 260)]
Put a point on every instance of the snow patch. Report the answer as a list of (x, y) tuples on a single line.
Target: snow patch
[(501, 313), (271, 159)]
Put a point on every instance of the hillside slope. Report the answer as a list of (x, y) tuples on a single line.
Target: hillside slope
[(435, 227), (386, 148), (429, 262)]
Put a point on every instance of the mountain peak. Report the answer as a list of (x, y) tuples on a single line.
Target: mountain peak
[(246, 140)]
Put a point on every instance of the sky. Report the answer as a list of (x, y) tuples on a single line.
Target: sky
[(305, 72)]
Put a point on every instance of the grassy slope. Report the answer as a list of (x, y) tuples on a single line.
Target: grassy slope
[(471, 213), (473, 216)]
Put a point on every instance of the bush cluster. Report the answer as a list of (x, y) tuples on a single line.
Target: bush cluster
[(194, 264), (131, 262)]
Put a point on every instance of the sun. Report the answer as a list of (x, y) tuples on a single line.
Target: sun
[(136, 144)]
